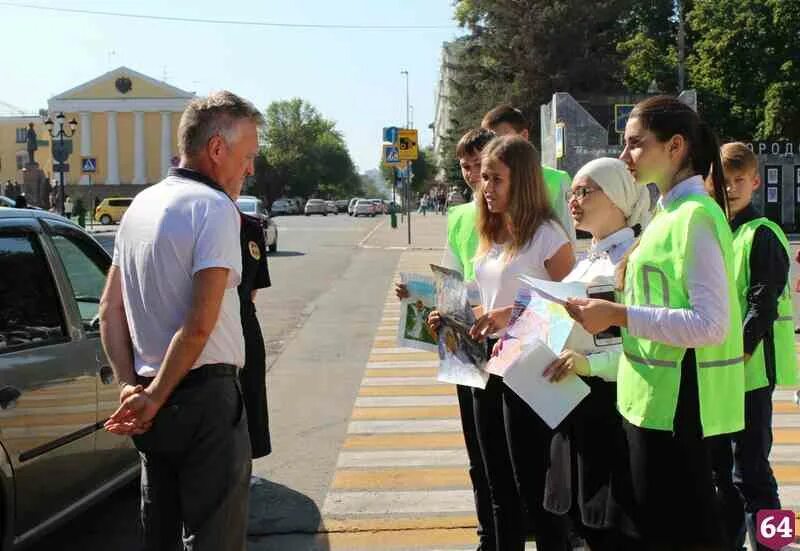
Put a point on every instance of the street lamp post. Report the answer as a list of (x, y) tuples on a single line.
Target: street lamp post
[(407, 178), (60, 153)]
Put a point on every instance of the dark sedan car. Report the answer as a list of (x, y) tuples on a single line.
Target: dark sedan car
[(56, 386)]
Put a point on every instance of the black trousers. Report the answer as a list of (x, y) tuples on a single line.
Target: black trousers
[(196, 469), (752, 473), (515, 447), (672, 497), (477, 471)]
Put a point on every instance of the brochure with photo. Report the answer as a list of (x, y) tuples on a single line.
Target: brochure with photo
[(412, 329)]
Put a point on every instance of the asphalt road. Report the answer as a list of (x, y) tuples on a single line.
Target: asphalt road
[(318, 320)]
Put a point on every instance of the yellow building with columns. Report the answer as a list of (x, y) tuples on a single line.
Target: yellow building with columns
[(127, 121)]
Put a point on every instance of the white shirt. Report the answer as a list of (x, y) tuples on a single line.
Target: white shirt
[(497, 275), (170, 232), (599, 268), (706, 322)]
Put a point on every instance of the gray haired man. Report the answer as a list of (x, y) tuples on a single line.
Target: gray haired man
[(169, 319)]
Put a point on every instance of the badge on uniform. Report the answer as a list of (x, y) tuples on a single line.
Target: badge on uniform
[(255, 250)]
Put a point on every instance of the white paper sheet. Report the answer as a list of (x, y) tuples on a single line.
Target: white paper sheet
[(555, 291), (551, 401)]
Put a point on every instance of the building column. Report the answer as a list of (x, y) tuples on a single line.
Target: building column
[(139, 162), (112, 172), (166, 142), (85, 128)]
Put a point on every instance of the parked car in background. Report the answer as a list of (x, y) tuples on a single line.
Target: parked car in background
[(316, 206), (332, 207), (254, 207), (352, 205), (380, 208), (111, 209), (364, 207), (57, 385), (341, 205), (281, 206)]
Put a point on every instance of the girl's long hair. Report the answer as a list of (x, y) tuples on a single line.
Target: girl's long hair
[(528, 205)]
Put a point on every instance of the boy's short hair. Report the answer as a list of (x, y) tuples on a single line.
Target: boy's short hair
[(505, 113), (738, 157), (473, 142)]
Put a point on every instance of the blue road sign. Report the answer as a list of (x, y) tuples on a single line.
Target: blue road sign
[(391, 154), (621, 113), (88, 165), (390, 134)]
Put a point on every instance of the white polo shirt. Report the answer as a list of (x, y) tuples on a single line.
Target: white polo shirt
[(170, 232)]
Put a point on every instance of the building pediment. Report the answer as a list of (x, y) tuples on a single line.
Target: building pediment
[(123, 83), (122, 89)]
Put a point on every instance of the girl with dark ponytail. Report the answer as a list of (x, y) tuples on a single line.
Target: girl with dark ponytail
[(680, 378)]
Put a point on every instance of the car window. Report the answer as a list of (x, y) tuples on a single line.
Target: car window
[(120, 202), (86, 267), (30, 310), (247, 206)]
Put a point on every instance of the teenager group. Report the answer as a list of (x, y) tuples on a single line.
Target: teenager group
[(670, 450)]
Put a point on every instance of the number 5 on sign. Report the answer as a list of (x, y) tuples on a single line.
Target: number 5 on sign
[(776, 529)]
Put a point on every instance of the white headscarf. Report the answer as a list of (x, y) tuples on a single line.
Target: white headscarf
[(618, 184)]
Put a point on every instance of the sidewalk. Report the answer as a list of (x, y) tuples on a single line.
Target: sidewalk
[(427, 233), (401, 480)]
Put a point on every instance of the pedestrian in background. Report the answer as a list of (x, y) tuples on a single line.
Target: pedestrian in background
[(172, 330)]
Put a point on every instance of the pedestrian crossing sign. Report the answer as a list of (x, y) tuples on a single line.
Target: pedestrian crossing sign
[(88, 165), (391, 155)]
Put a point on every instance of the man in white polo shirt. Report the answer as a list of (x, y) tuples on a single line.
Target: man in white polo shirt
[(170, 324)]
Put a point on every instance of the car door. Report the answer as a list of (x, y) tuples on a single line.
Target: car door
[(48, 395), (85, 265)]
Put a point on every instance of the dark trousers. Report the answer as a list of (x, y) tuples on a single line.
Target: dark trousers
[(196, 469), (731, 503), (515, 450), (752, 473), (673, 500), (477, 472)]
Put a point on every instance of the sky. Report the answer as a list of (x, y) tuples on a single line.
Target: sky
[(352, 76)]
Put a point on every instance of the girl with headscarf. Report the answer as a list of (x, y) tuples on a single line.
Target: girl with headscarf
[(605, 201)]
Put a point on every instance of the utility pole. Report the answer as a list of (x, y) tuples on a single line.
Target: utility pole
[(407, 168)]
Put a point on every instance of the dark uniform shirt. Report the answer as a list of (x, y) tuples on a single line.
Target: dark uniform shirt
[(255, 275), (769, 273)]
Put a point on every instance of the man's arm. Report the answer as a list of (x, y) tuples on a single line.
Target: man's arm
[(114, 331), (208, 289)]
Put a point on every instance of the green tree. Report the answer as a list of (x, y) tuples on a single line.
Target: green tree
[(305, 152), (745, 66), (650, 52)]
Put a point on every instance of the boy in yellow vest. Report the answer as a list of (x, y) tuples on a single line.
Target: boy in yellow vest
[(761, 266), (506, 119), (462, 244)]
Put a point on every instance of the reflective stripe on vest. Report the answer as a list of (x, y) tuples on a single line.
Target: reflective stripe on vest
[(783, 328), (462, 236), (649, 373)]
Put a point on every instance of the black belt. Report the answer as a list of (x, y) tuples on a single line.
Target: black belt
[(199, 374)]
